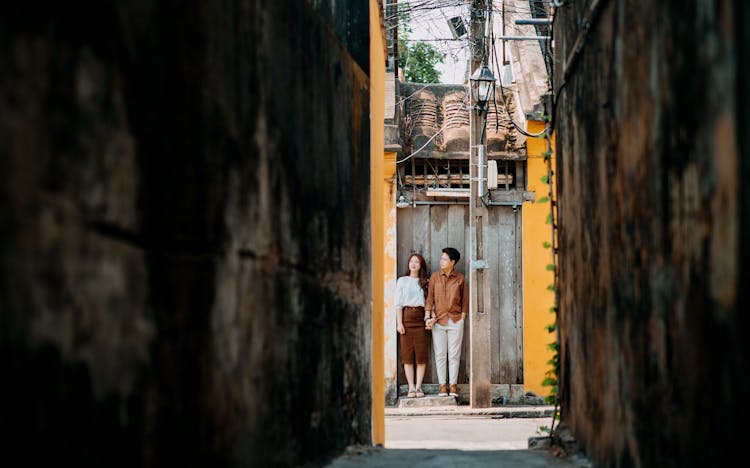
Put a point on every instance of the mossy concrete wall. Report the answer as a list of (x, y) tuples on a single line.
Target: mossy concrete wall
[(652, 148), (184, 242)]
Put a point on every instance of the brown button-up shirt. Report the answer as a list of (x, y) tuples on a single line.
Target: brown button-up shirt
[(447, 296)]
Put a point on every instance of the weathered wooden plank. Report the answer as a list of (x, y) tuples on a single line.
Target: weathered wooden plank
[(439, 225), (457, 222), (493, 251), (520, 175), (421, 238), (508, 328), (512, 196), (428, 229), (464, 268), (519, 296), (438, 237), (421, 229), (462, 155), (404, 236), (452, 179)]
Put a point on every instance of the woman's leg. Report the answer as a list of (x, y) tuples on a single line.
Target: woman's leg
[(409, 371), (421, 368)]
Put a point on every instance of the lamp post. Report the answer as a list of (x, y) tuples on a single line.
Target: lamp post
[(480, 383), (482, 83), (482, 86)]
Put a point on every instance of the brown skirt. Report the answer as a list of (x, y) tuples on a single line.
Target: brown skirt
[(416, 339)]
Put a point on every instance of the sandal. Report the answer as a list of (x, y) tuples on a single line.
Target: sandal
[(411, 394), (419, 393)]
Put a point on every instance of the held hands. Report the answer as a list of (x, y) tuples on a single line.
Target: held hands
[(429, 322)]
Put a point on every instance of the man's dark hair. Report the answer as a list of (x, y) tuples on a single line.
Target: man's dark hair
[(452, 254)]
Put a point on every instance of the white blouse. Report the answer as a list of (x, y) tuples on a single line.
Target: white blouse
[(408, 292)]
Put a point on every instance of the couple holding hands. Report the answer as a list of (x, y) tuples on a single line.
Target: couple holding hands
[(437, 306)]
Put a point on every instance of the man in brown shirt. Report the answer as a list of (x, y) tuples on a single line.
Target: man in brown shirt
[(448, 302)]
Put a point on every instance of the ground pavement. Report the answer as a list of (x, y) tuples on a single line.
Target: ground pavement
[(462, 437)]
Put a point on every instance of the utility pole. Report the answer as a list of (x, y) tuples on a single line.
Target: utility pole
[(480, 384)]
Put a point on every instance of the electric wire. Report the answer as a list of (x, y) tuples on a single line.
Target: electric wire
[(505, 101)]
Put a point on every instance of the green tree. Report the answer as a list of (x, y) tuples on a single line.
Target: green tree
[(419, 62)]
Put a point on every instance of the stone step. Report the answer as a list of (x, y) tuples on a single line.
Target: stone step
[(502, 394), (427, 401)]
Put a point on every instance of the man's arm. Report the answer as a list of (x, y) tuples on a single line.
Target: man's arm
[(464, 299), (429, 303)]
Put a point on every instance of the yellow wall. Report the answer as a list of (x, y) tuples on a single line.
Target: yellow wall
[(377, 114), (537, 299), (389, 259)]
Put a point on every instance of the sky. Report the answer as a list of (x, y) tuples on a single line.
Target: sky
[(431, 23)]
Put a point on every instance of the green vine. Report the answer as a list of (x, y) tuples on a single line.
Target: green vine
[(551, 375)]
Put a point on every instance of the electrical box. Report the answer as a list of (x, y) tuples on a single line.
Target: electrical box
[(492, 174)]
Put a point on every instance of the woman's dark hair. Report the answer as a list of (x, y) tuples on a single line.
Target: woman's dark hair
[(424, 278)]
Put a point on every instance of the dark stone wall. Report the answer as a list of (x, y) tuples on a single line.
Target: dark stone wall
[(184, 232), (652, 146)]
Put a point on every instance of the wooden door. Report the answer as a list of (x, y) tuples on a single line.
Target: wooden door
[(427, 229)]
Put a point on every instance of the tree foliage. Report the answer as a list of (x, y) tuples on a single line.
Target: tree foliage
[(419, 61)]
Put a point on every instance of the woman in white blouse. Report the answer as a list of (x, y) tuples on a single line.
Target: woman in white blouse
[(411, 290)]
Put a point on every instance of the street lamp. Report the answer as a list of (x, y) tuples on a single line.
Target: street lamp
[(482, 84)]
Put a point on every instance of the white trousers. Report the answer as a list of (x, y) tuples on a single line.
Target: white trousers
[(446, 342)]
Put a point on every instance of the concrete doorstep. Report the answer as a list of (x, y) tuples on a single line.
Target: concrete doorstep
[(508, 401), (502, 394), (427, 401), (507, 411)]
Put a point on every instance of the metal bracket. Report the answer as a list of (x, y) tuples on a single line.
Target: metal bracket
[(479, 264)]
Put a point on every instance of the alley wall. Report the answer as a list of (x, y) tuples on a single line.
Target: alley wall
[(184, 232), (652, 148)]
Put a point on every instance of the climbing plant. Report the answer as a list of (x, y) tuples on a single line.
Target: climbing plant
[(551, 375)]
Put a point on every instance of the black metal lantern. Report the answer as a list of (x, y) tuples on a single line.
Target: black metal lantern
[(482, 84)]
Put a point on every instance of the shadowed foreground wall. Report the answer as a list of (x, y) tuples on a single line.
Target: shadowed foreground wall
[(184, 232), (652, 146)]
